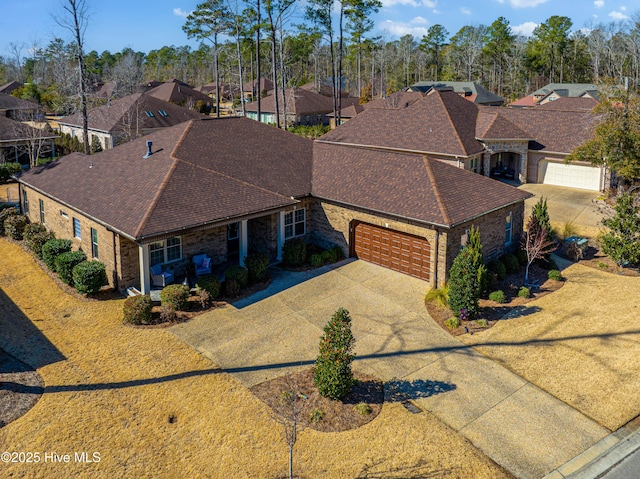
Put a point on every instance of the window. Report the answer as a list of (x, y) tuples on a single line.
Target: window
[(77, 231), (165, 251), (42, 211), (25, 202), (294, 223), (163, 113), (149, 114), (94, 243), (473, 165), (233, 231), (508, 229)]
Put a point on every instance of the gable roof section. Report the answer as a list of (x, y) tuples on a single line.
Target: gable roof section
[(398, 99), (570, 89), (119, 115), (581, 103), (442, 122), (299, 102), (407, 185), (185, 183), (8, 102), (178, 93), (7, 88), (492, 125), (12, 130), (472, 90)]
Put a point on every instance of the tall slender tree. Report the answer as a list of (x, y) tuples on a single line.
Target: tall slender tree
[(432, 43)]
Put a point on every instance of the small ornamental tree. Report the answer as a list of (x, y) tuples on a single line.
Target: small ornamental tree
[(474, 244), (464, 288), (332, 375), (622, 241), (536, 243)]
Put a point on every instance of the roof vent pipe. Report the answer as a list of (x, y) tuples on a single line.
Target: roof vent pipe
[(149, 152)]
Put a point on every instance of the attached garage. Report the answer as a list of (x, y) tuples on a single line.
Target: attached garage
[(392, 249), (575, 176)]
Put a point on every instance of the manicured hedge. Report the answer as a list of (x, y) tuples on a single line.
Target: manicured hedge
[(177, 295), (65, 264), (52, 249), (137, 309), (89, 276)]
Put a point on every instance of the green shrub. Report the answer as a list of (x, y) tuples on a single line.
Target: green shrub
[(8, 169), (524, 292), (137, 309), (362, 408), (89, 276), (438, 296), (65, 264), (232, 288), (547, 263), (35, 236), (14, 226), (209, 283), (482, 323), (316, 260), (338, 254), (511, 263), (522, 257), (622, 241), (555, 275), (315, 416), (452, 323), (5, 212), (332, 374), (464, 287), (239, 274), (52, 249), (176, 295), (294, 252), (498, 268), (498, 296), (328, 257), (257, 264)]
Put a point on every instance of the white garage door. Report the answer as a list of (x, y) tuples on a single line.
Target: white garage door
[(575, 176)]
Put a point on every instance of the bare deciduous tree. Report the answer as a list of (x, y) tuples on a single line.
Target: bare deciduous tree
[(537, 243), (288, 414)]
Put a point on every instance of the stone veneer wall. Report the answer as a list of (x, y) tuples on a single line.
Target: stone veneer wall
[(519, 147)]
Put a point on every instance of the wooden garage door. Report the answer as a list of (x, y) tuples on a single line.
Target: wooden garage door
[(394, 250)]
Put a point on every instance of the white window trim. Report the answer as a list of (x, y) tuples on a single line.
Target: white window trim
[(164, 250), (79, 235), (95, 245), (509, 240), (294, 223)]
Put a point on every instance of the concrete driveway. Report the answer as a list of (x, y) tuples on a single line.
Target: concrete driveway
[(567, 205), (521, 427)]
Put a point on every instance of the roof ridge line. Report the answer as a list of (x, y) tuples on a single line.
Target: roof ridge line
[(436, 190), (165, 180), (455, 128)]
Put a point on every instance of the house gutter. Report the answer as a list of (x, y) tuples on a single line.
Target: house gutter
[(398, 150), (530, 195)]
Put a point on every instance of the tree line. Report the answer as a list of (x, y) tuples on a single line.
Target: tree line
[(240, 41)]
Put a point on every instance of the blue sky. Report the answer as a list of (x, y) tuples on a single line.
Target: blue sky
[(145, 25)]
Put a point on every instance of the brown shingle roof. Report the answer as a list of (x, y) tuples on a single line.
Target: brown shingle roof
[(299, 102), (408, 185), (201, 171), (399, 99), (492, 125), (442, 122), (11, 130), (571, 104), (8, 102), (179, 94), (7, 88), (118, 115)]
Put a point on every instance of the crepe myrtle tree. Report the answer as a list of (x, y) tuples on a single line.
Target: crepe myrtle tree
[(536, 243)]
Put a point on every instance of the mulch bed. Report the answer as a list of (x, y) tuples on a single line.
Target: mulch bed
[(492, 312), (20, 388), (338, 415), (595, 258)]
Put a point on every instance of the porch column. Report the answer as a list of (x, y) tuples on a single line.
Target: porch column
[(143, 259), (523, 167), (244, 241), (280, 234), (487, 163)]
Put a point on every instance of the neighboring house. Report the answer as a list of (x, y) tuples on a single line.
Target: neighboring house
[(555, 91), (104, 90), (225, 187), (303, 107), (251, 89), (17, 108), (528, 145), (471, 91), (20, 142), (126, 118), (398, 99), (570, 104), (7, 88), (345, 114), (179, 94)]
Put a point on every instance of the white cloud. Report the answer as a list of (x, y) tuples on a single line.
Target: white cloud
[(465, 11), (618, 15), (436, 11), (429, 3), (525, 29), (391, 3), (598, 3), (624, 9), (525, 3), (419, 21), (180, 12), (399, 29)]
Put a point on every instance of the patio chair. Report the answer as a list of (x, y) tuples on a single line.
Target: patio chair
[(202, 263), (159, 277)]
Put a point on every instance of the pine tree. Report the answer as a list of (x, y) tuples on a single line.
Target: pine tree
[(474, 244), (622, 241), (541, 214)]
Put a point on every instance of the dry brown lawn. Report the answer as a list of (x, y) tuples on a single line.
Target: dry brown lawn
[(112, 389), (582, 345)]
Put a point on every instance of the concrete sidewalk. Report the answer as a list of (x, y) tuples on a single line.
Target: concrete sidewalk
[(524, 429)]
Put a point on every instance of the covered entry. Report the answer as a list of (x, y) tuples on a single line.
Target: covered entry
[(392, 249)]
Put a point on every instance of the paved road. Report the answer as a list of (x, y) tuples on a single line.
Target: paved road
[(629, 468), (518, 425)]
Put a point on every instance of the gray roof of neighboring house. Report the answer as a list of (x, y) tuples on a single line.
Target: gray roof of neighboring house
[(565, 89), (186, 182), (123, 113), (408, 185), (477, 92)]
